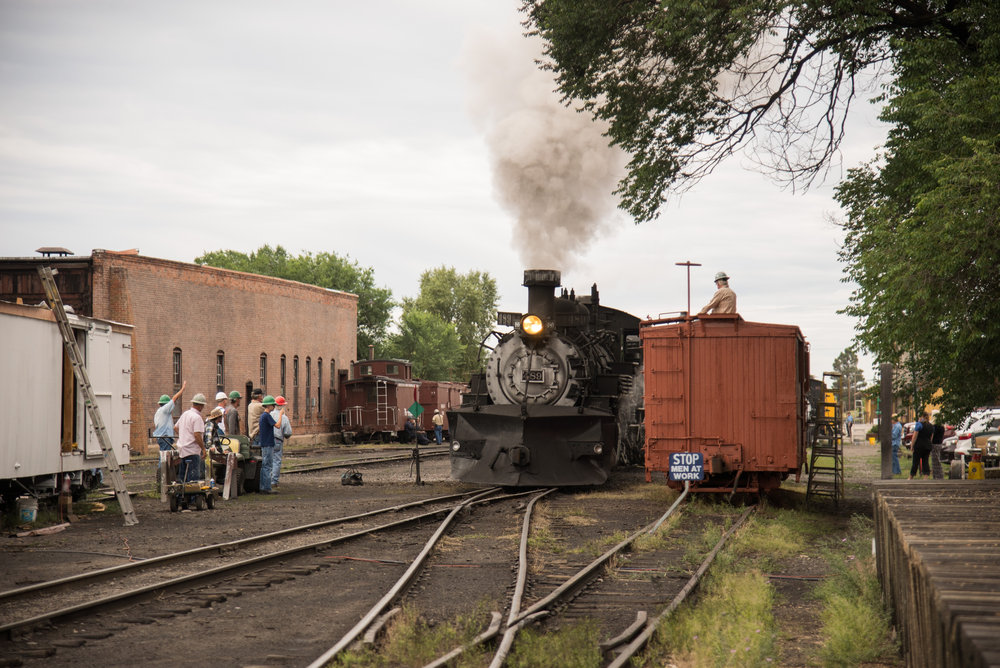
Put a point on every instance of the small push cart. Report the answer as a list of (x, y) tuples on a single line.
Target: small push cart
[(200, 493)]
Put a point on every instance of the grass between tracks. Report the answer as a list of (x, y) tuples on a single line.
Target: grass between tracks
[(733, 620)]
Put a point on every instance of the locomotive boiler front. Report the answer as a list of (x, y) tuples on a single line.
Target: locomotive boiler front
[(532, 426)]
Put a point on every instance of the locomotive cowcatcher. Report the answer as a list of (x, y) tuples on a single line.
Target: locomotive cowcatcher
[(557, 401)]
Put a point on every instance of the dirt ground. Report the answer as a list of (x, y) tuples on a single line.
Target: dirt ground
[(484, 555)]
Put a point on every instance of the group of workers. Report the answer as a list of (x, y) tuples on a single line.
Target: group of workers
[(193, 436)]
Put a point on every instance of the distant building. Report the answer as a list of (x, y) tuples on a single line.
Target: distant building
[(219, 330)]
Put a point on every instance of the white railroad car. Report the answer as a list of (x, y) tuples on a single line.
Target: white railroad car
[(45, 432)]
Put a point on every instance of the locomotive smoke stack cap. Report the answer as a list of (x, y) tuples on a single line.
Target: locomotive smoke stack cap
[(541, 284)]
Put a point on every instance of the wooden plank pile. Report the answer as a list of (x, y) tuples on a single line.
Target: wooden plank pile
[(938, 558)]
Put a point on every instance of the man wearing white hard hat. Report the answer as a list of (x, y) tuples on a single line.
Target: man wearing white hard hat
[(221, 401), (724, 299)]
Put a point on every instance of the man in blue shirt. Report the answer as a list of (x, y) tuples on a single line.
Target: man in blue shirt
[(163, 420), (266, 435), (897, 442)]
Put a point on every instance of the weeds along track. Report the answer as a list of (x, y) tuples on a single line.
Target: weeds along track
[(203, 567), (578, 562)]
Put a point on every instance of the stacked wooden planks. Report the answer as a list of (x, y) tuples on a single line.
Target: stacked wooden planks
[(938, 557)]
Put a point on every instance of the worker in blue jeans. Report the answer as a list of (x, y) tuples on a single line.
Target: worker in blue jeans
[(282, 432), (897, 443), (438, 421)]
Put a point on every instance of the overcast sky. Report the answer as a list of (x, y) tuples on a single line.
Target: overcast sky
[(371, 130)]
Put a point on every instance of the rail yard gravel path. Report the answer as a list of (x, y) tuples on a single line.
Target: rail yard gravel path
[(290, 614)]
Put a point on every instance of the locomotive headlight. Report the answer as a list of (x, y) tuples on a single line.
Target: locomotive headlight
[(599, 448), (456, 446), (532, 325)]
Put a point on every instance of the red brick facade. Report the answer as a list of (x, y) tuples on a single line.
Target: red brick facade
[(203, 312)]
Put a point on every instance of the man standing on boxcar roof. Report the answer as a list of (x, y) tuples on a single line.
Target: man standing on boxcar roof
[(724, 299)]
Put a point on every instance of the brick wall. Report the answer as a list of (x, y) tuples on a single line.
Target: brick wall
[(201, 311)]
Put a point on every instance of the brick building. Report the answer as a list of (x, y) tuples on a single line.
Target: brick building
[(217, 329)]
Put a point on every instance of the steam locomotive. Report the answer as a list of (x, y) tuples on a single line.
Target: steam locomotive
[(558, 402)]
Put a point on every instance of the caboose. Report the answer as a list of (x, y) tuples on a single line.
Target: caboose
[(375, 401), (732, 390)]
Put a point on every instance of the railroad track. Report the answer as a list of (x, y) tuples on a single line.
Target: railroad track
[(598, 588), (143, 486), (71, 596), (174, 596)]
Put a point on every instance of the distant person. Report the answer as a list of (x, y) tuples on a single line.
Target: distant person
[(897, 442), (921, 444), (163, 420), (222, 401), (265, 434), (724, 299), (232, 416), (213, 430), (191, 439), (438, 421), (282, 432), (849, 425), (937, 441), (253, 415)]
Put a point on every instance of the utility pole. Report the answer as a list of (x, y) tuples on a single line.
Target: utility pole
[(688, 264)]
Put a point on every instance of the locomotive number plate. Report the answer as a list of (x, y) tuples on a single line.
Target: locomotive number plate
[(533, 376)]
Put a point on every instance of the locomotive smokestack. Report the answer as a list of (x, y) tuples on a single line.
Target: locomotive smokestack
[(541, 284)]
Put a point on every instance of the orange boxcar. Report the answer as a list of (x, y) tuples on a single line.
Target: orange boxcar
[(735, 391)]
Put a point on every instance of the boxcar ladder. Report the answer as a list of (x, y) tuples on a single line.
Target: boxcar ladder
[(826, 457), (90, 400)]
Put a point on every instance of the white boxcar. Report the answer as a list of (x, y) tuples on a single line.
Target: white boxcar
[(45, 432)]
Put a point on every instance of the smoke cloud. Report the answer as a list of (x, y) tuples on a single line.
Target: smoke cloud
[(552, 166)]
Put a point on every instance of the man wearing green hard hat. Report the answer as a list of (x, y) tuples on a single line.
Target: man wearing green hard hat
[(266, 433), (163, 420), (232, 416)]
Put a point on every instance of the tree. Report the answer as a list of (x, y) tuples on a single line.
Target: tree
[(468, 301), (852, 379), (327, 270), (684, 84), (921, 230), (430, 343)]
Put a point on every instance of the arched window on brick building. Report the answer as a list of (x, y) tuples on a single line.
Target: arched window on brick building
[(308, 387), (178, 378), (284, 369), (263, 372), (220, 371), (295, 386), (319, 386)]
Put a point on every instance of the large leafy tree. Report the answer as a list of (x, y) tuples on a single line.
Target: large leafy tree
[(429, 342), (327, 270), (923, 225), (685, 83), (852, 379), (467, 301)]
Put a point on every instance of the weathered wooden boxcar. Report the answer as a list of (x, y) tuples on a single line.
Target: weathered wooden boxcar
[(732, 390), (441, 395), (46, 433)]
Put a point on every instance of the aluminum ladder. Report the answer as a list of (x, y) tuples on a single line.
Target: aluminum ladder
[(47, 274), (826, 457)]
